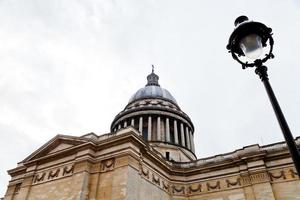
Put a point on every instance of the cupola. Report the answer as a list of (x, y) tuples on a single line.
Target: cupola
[(154, 112)]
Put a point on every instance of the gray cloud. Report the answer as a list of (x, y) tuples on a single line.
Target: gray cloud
[(70, 66)]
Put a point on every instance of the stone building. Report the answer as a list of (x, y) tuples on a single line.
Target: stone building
[(150, 154)]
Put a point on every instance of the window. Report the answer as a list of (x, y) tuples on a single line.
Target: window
[(168, 155)]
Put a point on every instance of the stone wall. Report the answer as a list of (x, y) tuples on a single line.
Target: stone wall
[(124, 167)]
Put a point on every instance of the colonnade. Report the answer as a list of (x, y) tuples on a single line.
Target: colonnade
[(160, 128)]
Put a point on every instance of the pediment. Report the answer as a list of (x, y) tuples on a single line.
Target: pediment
[(55, 145), (60, 147)]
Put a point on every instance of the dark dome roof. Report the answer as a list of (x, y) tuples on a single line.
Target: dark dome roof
[(152, 91)]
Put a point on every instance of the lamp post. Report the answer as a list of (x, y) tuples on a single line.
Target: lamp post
[(247, 44)]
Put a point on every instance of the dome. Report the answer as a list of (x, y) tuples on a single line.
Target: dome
[(152, 91), (155, 115)]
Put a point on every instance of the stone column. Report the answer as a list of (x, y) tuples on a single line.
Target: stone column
[(182, 135), (192, 142), (187, 133), (141, 126), (119, 126), (167, 130), (158, 129), (132, 122), (175, 132), (125, 124), (149, 128)]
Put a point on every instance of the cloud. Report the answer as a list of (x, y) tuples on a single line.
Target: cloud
[(70, 66)]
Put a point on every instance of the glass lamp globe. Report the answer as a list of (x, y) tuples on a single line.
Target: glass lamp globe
[(251, 46)]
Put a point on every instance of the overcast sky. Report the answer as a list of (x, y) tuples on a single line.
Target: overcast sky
[(68, 67)]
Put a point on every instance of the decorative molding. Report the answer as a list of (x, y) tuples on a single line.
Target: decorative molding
[(67, 170), (293, 173), (233, 183), (273, 175), (213, 187), (155, 179), (53, 174), (145, 172), (176, 190), (195, 190), (166, 186), (184, 188), (108, 165), (39, 177), (259, 177)]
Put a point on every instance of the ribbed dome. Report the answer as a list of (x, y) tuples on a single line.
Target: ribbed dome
[(152, 91), (154, 113)]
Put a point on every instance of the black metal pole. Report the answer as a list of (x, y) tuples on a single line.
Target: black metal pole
[(294, 151)]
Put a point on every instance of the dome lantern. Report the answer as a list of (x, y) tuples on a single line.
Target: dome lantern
[(152, 78)]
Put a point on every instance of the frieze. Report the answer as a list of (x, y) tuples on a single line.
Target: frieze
[(293, 173), (233, 183), (276, 176), (39, 177), (67, 170), (245, 180), (155, 179), (145, 172), (196, 189), (178, 189), (53, 174), (158, 181), (213, 186), (259, 177), (166, 186)]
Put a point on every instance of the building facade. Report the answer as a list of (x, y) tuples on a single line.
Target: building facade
[(149, 154)]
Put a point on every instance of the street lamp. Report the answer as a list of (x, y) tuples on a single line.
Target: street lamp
[(251, 44)]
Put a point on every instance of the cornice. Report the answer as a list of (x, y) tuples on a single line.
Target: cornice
[(150, 156)]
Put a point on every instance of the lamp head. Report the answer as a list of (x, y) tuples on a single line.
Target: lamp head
[(249, 39), (240, 20)]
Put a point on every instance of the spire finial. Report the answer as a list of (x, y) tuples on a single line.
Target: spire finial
[(152, 79)]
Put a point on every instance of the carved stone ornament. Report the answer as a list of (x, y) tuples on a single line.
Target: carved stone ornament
[(166, 186), (145, 172), (259, 177), (195, 189), (293, 173), (233, 183), (68, 171), (39, 177), (178, 190), (155, 179), (108, 164), (275, 176), (213, 186), (53, 174)]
